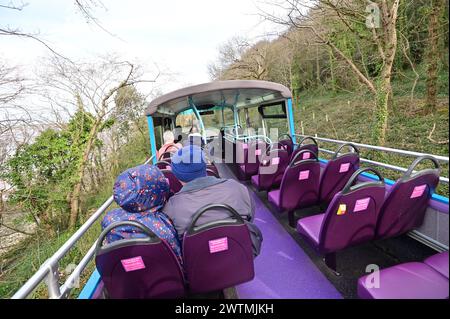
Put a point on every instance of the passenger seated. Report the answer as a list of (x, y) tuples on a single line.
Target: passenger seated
[(141, 192), (189, 166), (194, 137), (169, 144)]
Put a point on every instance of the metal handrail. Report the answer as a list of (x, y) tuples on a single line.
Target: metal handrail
[(234, 138), (381, 148), (445, 180), (49, 269)]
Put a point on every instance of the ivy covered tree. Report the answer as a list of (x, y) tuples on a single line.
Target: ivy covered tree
[(42, 172)]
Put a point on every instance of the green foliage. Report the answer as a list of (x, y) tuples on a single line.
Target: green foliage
[(19, 264), (42, 172), (345, 116)]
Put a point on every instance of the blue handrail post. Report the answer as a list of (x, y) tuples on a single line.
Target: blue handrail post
[(291, 120), (151, 133)]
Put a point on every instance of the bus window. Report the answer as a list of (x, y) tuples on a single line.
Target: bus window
[(275, 118), (254, 121), (212, 120), (228, 116)]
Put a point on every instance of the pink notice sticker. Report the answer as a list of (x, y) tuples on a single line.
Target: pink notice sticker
[(344, 167), (418, 191), (244, 146), (132, 264), (258, 152), (306, 155), (169, 168), (303, 175), (361, 204), (275, 161), (217, 245)]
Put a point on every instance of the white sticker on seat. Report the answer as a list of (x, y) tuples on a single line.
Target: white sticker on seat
[(361, 204), (132, 264), (303, 175), (418, 191), (217, 245), (344, 167)]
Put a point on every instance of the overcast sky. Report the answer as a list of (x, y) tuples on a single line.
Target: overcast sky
[(179, 35)]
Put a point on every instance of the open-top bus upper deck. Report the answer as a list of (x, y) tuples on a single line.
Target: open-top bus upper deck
[(296, 236)]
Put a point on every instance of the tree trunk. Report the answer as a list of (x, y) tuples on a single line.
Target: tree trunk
[(381, 111), (384, 87), (75, 200), (317, 66), (333, 80), (432, 56)]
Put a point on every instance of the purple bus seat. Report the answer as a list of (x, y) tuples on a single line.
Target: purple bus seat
[(337, 172), (350, 219), (439, 262), (139, 267), (407, 201), (211, 172), (217, 255), (299, 185), (248, 157), (163, 165), (167, 154), (174, 184), (314, 147), (286, 143), (271, 169), (413, 280)]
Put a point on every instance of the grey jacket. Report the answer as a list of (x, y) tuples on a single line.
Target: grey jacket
[(202, 191)]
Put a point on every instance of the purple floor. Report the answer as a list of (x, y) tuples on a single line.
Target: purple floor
[(282, 270)]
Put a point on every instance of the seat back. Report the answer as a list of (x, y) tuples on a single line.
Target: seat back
[(163, 165), (337, 172), (286, 142), (351, 217), (313, 147), (167, 152), (138, 268), (174, 184), (251, 153), (271, 168), (300, 184), (211, 172), (217, 255), (407, 200)]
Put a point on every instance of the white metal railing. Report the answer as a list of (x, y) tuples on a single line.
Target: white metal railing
[(233, 138), (49, 269), (382, 149), (440, 158), (445, 180)]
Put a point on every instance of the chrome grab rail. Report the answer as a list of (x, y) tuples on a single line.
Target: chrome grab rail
[(233, 138), (380, 148), (445, 180), (49, 269)]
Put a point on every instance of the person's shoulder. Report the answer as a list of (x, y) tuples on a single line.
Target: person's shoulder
[(234, 184), (171, 201), (240, 190)]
